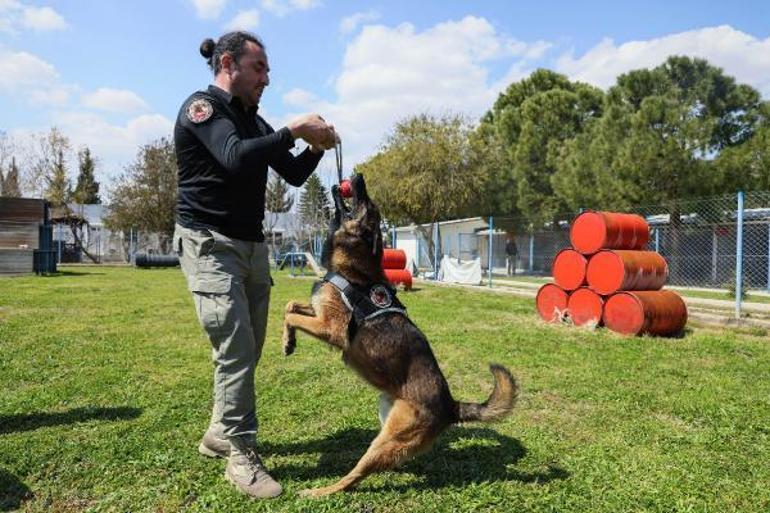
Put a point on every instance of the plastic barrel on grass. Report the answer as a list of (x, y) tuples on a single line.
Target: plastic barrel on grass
[(613, 270), (569, 269), (393, 258), (585, 307), (653, 312), (592, 231), (551, 302), (399, 277)]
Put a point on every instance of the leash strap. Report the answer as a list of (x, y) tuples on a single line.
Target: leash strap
[(338, 158)]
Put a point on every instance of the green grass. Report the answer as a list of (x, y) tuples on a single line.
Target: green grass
[(106, 390)]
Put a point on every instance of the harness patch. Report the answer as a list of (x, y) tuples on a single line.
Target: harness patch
[(199, 111), (380, 296)]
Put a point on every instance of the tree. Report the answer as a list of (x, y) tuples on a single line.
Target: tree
[(533, 118), (59, 188), (659, 137), (426, 172), (278, 200), (9, 185), (314, 205), (46, 174), (87, 188), (144, 197)]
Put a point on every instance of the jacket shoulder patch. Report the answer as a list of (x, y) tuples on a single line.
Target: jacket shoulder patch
[(199, 110)]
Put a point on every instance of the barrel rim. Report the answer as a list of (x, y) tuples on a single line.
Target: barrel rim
[(639, 310), (585, 268)]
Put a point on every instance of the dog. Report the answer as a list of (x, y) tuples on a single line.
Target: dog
[(355, 310)]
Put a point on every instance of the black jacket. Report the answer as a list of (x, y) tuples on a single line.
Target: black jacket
[(223, 152)]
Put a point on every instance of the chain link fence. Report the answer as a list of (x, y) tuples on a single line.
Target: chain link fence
[(721, 242)]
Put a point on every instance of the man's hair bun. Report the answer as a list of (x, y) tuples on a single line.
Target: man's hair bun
[(207, 48)]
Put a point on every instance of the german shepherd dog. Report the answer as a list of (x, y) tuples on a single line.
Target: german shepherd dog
[(388, 351)]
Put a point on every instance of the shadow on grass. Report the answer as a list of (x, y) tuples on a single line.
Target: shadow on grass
[(63, 274), (12, 491), (460, 456), (30, 421)]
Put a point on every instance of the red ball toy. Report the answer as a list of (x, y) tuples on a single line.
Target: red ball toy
[(345, 189)]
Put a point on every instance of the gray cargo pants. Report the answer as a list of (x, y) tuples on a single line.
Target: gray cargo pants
[(230, 283)]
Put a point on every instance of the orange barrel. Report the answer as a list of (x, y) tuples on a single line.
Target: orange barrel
[(569, 269), (551, 302), (393, 258), (592, 231), (617, 269), (399, 276), (585, 306), (655, 312)]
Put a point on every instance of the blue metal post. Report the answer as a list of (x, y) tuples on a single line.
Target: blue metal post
[(739, 258), (491, 234), (435, 251), (531, 252), (657, 240), (393, 237)]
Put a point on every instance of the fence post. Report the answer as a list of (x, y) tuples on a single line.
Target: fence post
[(393, 241), (657, 239), (58, 226), (739, 258), (489, 257), (435, 251), (531, 252)]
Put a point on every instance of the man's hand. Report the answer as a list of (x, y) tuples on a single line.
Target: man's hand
[(314, 130)]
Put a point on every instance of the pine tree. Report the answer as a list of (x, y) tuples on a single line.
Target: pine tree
[(9, 185), (59, 188), (87, 188), (314, 206), (278, 199)]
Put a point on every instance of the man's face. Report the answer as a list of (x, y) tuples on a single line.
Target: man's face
[(250, 75)]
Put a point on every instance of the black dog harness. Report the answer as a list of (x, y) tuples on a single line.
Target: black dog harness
[(365, 302)]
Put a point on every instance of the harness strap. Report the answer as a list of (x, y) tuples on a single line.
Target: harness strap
[(362, 307)]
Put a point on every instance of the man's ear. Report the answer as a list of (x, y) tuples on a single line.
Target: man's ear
[(226, 63)]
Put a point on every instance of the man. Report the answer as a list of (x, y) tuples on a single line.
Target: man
[(223, 150), (511, 252)]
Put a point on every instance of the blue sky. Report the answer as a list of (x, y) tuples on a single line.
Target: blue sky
[(112, 75)]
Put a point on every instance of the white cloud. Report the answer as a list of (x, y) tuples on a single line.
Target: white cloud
[(42, 18), (114, 100), (25, 75), (741, 55), (244, 20), (390, 73), (350, 23), (300, 98), (114, 144), (208, 9), (281, 8), (15, 15)]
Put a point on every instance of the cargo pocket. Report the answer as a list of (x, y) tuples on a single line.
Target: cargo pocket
[(213, 303)]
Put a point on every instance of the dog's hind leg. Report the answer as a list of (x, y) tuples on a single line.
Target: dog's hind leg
[(403, 435), (386, 403)]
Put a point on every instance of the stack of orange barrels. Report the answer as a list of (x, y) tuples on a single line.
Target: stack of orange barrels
[(394, 264), (606, 278)]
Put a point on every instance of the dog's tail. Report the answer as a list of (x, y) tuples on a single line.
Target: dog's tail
[(498, 405)]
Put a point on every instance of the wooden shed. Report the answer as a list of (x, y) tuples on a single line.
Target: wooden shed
[(24, 236)]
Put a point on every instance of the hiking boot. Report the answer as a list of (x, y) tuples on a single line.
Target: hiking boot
[(247, 472), (214, 444)]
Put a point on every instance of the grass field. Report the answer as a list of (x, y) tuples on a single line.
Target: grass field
[(106, 390)]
